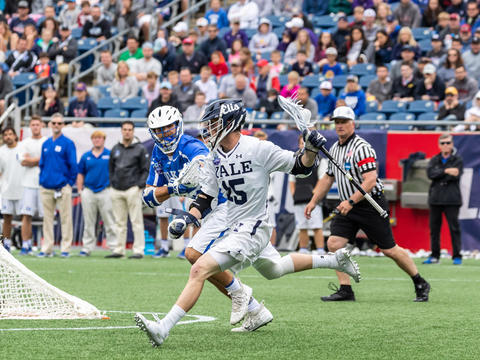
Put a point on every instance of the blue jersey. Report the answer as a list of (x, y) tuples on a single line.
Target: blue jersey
[(164, 168), (95, 170)]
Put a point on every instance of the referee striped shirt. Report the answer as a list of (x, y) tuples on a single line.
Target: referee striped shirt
[(357, 157)]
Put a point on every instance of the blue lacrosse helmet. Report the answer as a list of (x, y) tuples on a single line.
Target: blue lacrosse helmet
[(159, 124), (221, 117)]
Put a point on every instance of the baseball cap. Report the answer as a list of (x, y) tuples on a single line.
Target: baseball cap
[(295, 22), (369, 13), (23, 4), (159, 44), (202, 22), (343, 112), (456, 38), (476, 40), (390, 18), (64, 27), (477, 95), (148, 45), (187, 40), (331, 51), (70, 1), (166, 85), (181, 27), (454, 16), (436, 37), (326, 85), (429, 69), (465, 28), (451, 90), (352, 77), (408, 48), (262, 63), (81, 87), (343, 18)]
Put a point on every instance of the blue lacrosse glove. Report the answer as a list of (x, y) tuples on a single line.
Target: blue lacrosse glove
[(313, 140), (179, 189), (148, 197), (176, 228)]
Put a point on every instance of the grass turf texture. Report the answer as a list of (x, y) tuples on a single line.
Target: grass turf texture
[(383, 323)]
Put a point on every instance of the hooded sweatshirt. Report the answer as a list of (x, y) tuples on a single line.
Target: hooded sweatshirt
[(263, 42), (96, 29)]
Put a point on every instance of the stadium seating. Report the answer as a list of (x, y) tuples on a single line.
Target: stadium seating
[(325, 21), (401, 116), (311, 81), (135, 103), (283, 80), (104, 90), (116, 113), (366, 80), (339, 81), (277, 116), (107, 103), (139, 113), (392, 106), (371, 116), (425, 45), (421, 33), (428, 116), (372, 106), (362, 69), (421, 106)]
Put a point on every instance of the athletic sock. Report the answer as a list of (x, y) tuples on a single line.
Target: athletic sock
[(27, 244), (175, 314), (417, 279), (164, 245), (233, 286), (253, 305), (185, 242), (324, 261), (7, 242)]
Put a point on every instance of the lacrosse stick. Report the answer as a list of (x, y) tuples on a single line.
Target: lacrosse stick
[(191, 174), (302, 117)]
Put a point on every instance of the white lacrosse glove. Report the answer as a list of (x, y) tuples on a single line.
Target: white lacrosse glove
[(176, 228), (176, 189)]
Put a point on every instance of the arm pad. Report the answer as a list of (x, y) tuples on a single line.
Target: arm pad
[(202, 203), (300, 170), (148, 197)]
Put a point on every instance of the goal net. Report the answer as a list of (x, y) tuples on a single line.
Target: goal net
[(25, 295)]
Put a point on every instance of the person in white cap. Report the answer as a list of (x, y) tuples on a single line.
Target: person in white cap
[(325, 100), (202, 24), (370, 28), (431, 88), (329, 65), (246, 11), (295, 25), (359, 158)]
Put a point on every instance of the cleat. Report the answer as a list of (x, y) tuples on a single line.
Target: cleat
[(457, 261), (155, 330), (181, 255), (25, 251), (431, 260), (255, 320), (339, 294), (114, 256), (347, 265), (136, 256), (422, 292), (42, 254), (240, 300), (65, 254), (161, 254), (84, 253)]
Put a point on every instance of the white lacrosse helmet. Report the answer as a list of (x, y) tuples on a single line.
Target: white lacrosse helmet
[(343, 112), (159, 118)]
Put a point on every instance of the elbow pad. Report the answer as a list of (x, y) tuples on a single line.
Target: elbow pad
[(300, 170), (202, 203), (148, 197)]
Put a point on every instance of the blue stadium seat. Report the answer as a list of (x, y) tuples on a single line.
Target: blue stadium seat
[(363, 69), (372, 106), (421, 33), (223, 31), (315, 92), (77, 33), (425, 45), (278, 31), (104, 90), (107, 103), (116, 113), (339, 81), (86, 44), (427, 116), (401, 116), (250, 32), (283, 80), (266, 55), (344, 67), (261, 115), (277, 115), (421, 106), (134, 103), (139, 113), (365, 80), (311, 81), (23, 79), (324, 21), (371, 116), (392, 106), (275, 21), (468, 105)]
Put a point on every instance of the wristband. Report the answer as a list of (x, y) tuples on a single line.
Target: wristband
[(351, 202)]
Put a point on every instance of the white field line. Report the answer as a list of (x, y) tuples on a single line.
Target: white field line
[(197, 318)]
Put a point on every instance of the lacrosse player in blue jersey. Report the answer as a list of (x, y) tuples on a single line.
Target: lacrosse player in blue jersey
[(241, 166), (172, 153)]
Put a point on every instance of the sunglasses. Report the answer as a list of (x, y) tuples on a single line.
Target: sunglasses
[(445, 143), (449, 95), (57, 123)]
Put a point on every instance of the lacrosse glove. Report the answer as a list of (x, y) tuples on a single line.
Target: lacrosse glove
[(179, 189), (313, 140)]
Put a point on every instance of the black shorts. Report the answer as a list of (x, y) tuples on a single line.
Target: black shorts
[(364, 216)]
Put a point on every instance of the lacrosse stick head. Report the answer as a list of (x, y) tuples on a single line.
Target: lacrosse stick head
[(192, 173), (165, 125), (221, 117), (297, 112)]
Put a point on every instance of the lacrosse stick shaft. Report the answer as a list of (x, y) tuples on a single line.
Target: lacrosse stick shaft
[(383, 213)]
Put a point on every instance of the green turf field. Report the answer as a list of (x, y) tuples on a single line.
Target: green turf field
[(383, 323)]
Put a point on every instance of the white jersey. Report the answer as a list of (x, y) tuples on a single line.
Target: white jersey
[(32, 147), (12, 173), (243, 175)]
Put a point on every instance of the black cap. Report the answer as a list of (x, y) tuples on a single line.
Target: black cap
[(408, 48), (343, 18), (436, 37), (64, 27), (476, 40), (390, 18), (456, 38)]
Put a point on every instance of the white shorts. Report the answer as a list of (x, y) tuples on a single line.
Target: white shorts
[(31, 202), (315, 222), (271, 214), (11, 207), (172, 202), (242, 245), (213, 229)]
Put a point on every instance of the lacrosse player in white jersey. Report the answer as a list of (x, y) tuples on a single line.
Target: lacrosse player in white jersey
[(241, 166), (177, 156)]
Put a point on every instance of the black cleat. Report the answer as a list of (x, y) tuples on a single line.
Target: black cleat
[(422, 290), (136, 256), (339, 294), (114, 256)]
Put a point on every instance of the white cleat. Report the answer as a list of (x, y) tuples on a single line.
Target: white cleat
[(347, 265), (240, 300), (255, 320), (155, 330)]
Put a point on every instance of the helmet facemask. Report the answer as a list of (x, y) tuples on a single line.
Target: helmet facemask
[(167, 137)]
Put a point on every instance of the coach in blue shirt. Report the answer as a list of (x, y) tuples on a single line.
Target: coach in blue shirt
[(93, 183), (58, 171)]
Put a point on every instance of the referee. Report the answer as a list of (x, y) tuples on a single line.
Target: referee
[(358, 157)]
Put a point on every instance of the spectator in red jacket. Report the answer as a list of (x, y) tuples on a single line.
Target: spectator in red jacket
[(218, 65)]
